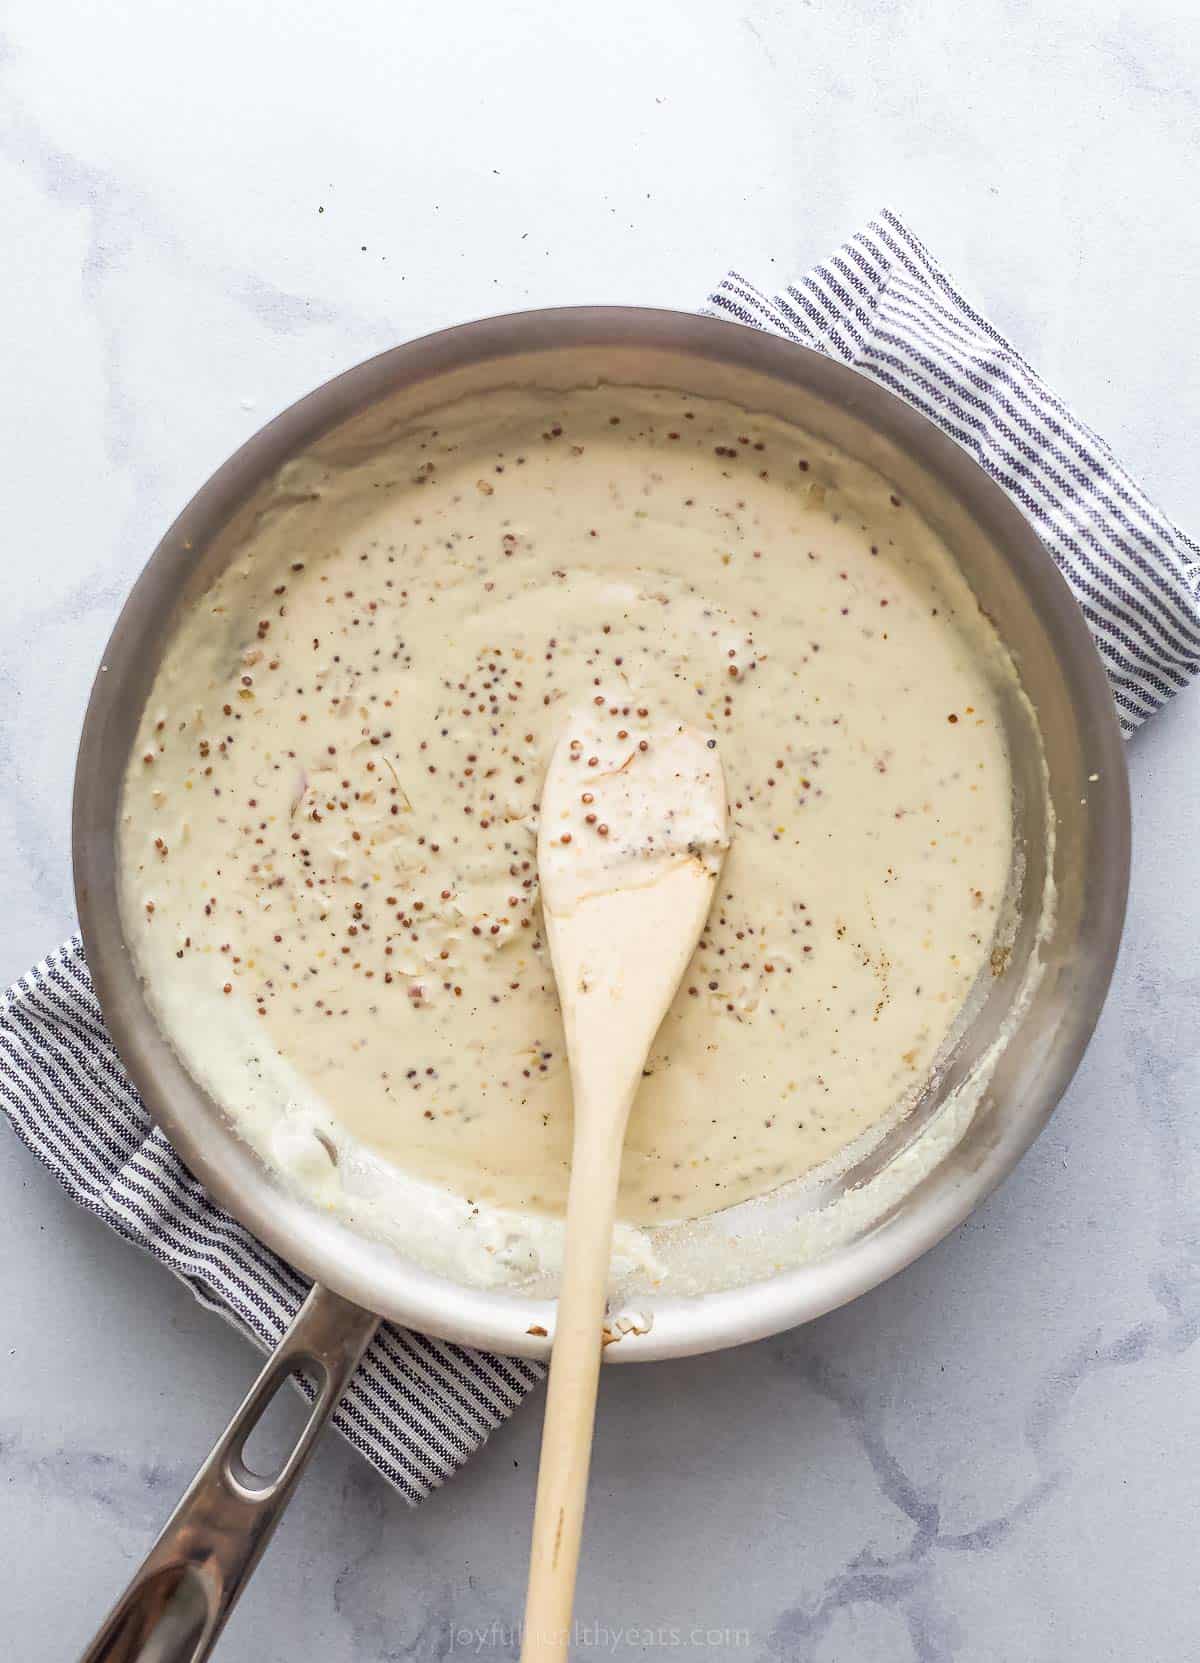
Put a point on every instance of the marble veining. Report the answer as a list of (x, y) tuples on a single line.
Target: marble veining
[(209, 210)]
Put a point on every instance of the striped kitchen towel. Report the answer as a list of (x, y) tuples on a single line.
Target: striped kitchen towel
[(884, 306), (418, 1407)]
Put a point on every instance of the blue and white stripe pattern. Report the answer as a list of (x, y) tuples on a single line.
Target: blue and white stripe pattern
[(416, 1408), (882, 305)]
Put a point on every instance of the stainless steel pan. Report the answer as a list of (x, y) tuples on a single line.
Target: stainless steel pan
[(178, 1602)]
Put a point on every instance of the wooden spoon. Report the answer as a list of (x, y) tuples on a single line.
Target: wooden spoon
[(632, 835)]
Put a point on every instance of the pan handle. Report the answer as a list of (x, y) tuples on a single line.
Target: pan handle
[(176, 1605)]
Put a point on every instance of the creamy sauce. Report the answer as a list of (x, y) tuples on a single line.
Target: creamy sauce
[(330, 817)]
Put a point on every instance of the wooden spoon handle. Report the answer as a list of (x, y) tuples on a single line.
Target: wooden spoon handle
[(571, 1398)]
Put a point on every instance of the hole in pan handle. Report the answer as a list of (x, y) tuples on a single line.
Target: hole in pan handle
[(178, 1602)]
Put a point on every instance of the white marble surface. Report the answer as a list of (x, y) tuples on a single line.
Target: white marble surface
[(992, 1458)]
